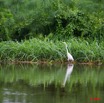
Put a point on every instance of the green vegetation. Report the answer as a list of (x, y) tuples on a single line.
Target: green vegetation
[(80, 23), (21, 19), (36, 49)]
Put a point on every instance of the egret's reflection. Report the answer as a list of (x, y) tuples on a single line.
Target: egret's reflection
[(68, 73)]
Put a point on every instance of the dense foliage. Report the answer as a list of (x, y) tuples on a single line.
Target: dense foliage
[(23, 19)]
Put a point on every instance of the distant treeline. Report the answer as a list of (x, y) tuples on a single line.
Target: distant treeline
[(24, 19)]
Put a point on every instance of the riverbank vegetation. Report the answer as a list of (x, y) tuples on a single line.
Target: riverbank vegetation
[(33, 30), (36, 49)]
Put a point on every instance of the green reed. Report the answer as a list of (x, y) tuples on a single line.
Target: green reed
[(48, 50)]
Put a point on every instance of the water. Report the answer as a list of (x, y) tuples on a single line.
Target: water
[(51, 84)]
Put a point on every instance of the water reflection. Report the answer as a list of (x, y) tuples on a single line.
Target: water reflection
[(68, 73), (42, 83)]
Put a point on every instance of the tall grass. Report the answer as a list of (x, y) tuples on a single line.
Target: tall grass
[(36, 49)]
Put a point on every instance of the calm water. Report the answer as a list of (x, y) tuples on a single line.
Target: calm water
[(51, 84)]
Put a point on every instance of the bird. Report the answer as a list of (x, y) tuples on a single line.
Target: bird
[(69, 56)]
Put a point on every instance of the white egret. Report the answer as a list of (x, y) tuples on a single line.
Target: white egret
[(69, 56)]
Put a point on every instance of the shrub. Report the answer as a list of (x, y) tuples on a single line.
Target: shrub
[(6, 24)]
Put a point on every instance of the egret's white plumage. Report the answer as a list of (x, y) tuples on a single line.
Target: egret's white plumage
[(69, 56)]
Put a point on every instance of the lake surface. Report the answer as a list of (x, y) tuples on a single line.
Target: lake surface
[(51, 84)]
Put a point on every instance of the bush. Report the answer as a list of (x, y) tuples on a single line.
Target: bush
[(6, 24), (22, 19), (80, 25)]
